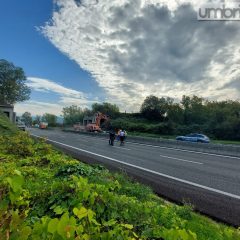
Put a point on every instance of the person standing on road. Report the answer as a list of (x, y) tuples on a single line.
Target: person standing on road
[(118, 134), (111, 137), (122, 137)]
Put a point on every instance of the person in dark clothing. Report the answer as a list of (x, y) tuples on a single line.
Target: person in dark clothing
[(111, 137)]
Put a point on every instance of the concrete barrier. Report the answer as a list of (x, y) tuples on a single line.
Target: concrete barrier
[(221, 149)]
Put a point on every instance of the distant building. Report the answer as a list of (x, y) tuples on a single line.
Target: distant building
[(8, 110)]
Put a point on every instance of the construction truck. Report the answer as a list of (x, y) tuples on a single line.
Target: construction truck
[(79, 127), (92, 124), (92, 127)]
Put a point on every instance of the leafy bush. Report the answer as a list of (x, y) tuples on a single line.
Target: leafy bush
[(219, 120), (140, 125), (85, 202), (6, 127), (20, 144), (78, 169)]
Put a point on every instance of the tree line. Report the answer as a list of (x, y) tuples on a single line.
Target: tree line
[(218, 119), (30, 120), (71, 115)]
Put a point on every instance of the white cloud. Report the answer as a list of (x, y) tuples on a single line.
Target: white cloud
[(38, 108), (84, 103), (65, 97), (45, 85), (137, 48)]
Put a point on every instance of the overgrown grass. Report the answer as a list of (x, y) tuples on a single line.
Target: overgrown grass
[(6, 128), (45, 194)]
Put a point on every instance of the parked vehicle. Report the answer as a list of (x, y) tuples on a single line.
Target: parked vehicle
[(43, 125), (194, 137), (21, 126)]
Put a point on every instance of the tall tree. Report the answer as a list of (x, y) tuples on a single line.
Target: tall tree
[(27, 118), (37, 119), (154, 108), (13, 86), (51, 119), (194, 109), (175, 113), (106, 108), (73, 114)]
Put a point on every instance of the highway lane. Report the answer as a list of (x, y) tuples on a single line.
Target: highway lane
[(205, 174)]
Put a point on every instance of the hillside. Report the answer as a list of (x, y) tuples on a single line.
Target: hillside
[(6, 127)]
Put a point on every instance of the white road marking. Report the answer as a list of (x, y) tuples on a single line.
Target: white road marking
[(184, 150), (179, 159), (122, 148), (150, 171), (172, 148), (83, 140), (106, 140)]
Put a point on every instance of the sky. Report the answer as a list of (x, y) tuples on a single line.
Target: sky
[(77, 52)]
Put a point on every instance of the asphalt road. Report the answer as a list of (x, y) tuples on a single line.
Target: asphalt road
[(210, 182)]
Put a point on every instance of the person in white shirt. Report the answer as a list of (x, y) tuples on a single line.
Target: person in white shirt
[(122, 136)]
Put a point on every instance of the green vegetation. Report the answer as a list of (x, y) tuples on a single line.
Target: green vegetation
[(51, 119), (142, 126), (13, 86), (45, 194), (163, 117), (109, 109), (27, 118), (6, 127), (74, 114)]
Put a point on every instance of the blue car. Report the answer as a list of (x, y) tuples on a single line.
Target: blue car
[(194, 137)]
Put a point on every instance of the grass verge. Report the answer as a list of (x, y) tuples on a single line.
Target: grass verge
[(45, 194)]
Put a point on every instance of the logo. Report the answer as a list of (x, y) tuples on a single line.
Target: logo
[(219, 12)]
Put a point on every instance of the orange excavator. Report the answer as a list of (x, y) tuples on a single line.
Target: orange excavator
[(95, 126), (92, 124)]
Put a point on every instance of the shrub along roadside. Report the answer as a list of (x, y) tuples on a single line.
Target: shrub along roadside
[(6, 127), (45, 194), (223, 131)]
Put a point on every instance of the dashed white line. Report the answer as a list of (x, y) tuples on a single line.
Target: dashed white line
[(172, 148), (122, 148), (148, 170), (179, 159), (184, 150)]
